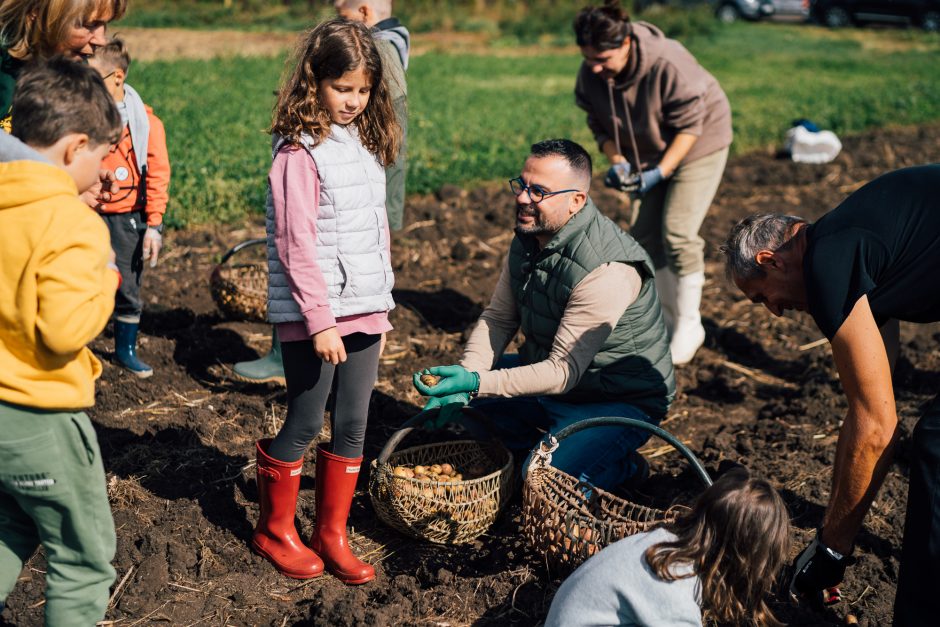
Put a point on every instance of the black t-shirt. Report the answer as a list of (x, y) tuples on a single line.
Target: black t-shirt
[(883, 241)]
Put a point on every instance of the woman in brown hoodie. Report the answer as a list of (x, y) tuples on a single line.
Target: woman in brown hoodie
[(665, 125)]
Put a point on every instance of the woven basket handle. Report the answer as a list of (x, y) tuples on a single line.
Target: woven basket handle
[(611, 421), (237, 247), (417, 421)]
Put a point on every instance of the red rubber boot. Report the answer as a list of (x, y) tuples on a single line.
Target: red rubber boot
[(336, 482), (276, 537)]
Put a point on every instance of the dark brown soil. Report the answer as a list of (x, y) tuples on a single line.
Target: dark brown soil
[(178, 448)]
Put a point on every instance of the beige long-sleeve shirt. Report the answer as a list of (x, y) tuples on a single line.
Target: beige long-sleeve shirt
[(595, 306)]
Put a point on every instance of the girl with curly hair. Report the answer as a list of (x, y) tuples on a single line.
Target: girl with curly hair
[(329, 288)]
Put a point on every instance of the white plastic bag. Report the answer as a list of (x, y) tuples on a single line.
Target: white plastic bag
[(806, 146)]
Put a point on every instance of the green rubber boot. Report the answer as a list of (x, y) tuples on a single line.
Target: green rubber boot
[(267, 369)]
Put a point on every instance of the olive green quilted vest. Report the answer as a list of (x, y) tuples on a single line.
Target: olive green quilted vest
[(634, 364)]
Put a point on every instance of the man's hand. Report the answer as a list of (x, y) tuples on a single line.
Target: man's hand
[(454, 380), (817, 568), (153, 242), (618, 176), (328, 345), (100, 192), (450, 409), (649, 179)]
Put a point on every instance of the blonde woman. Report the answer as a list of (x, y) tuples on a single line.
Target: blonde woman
[(30, 29)]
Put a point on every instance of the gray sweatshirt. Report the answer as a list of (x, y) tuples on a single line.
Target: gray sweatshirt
[(12, 149), (667, 92), (617, 587)]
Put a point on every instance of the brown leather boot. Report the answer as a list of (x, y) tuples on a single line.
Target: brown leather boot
[(276, 537), (336, 482)]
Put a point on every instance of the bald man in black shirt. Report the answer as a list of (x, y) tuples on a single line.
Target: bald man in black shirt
[(871, 261)]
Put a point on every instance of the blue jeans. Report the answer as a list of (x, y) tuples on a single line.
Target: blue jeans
[(600, 456)]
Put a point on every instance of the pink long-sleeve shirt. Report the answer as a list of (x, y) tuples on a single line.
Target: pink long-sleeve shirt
[(295, 190)]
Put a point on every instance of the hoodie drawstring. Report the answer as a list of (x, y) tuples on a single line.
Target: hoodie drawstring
[(617, 123)]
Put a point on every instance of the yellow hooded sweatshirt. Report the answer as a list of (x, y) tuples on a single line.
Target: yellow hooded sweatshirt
[(56, 290)]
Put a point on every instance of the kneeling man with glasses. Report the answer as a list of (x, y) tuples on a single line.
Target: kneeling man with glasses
[(582, 292)]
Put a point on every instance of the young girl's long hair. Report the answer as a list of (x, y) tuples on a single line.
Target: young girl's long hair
[(330, 50), (736, 540)]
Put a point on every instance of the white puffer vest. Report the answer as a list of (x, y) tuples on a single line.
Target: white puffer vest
[(351, 231)]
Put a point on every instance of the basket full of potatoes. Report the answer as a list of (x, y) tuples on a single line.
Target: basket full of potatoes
[(445, 492)]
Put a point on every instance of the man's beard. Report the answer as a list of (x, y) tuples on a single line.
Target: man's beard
[(539, 227)]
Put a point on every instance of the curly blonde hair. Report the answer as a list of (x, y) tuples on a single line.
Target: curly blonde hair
[(29, 28), (736, 540), (330, 50)]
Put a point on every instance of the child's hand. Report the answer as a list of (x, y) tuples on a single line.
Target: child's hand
[(153, 242), (100, 192), (328, 345)]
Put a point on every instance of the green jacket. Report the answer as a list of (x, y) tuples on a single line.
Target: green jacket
[(9, 72), (633, 365)]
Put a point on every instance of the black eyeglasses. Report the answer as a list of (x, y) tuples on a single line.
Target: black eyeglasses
[(536, 192)]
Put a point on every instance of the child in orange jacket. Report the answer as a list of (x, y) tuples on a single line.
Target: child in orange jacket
[(134, 214)]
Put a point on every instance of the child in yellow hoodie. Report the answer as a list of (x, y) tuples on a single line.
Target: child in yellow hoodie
[(57, 285)]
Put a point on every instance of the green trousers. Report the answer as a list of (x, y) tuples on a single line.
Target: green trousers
[(52, 491)]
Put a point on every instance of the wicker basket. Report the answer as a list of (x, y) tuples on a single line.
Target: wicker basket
[(240, 290), (567, 520), (443, 512)]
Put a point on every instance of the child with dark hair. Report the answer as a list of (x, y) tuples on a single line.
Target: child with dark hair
[(329, 288), (57, 284), (139, 194), (719, 561)]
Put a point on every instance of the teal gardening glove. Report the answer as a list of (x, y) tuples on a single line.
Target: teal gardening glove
[(454, 390)]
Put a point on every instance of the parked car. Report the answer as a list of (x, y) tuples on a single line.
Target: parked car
[(792, 9), (838, 13), (729, 11)]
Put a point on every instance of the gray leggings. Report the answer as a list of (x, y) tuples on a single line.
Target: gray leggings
[(309, 383)]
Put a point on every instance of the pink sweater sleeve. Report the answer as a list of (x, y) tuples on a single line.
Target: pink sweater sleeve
[(295, 190)]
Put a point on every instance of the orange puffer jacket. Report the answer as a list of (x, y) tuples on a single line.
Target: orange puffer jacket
[(130, 193)]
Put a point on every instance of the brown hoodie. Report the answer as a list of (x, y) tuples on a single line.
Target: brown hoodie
[(667, 92)]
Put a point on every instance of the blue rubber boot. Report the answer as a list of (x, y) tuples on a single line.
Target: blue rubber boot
[(267, 369), (125, 349)]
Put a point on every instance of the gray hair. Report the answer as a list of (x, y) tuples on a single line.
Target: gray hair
[(766, 231)]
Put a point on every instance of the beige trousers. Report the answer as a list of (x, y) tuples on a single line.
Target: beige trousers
[(666, 220)]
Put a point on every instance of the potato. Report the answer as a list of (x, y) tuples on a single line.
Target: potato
[(447, 469), (403, 471), (435, 469), (429, 379), (420, 470)]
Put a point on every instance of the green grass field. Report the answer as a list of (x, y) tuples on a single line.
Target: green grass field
[(473, 116)]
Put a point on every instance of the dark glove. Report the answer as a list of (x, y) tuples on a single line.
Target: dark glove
[(454, 380), (649, 179), (450, 409), (817, 568), (618, 176)]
